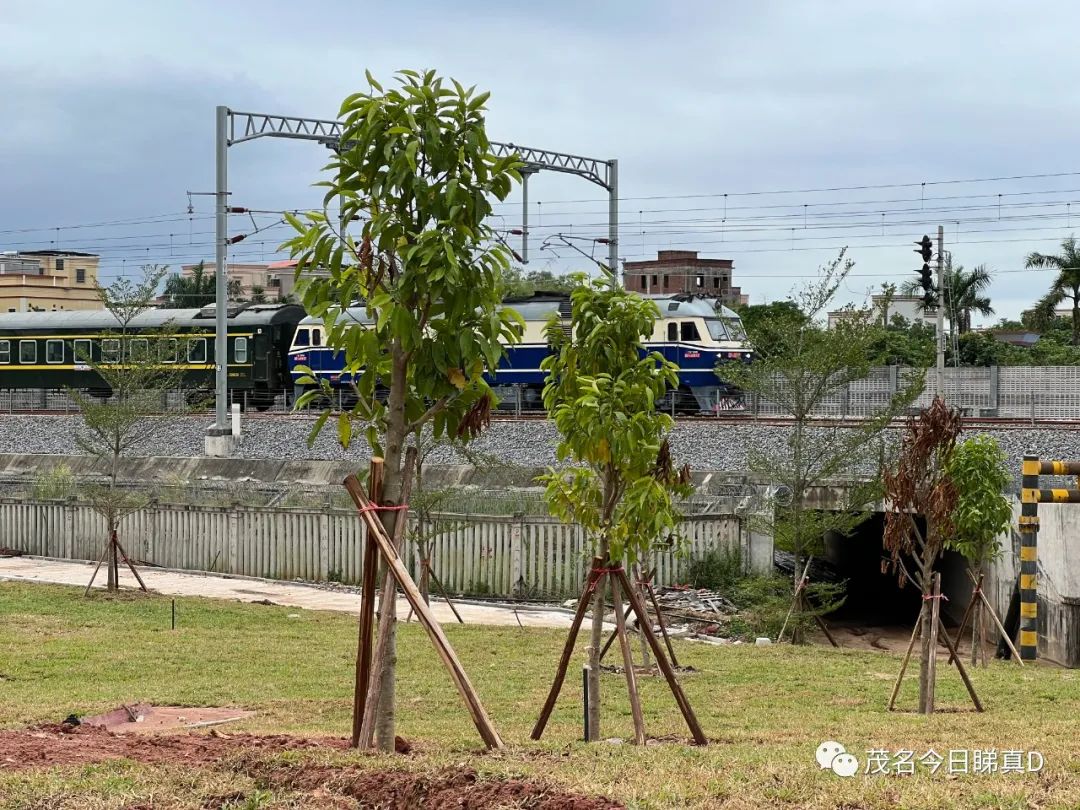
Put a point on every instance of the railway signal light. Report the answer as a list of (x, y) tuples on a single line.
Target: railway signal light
[(926, 250)]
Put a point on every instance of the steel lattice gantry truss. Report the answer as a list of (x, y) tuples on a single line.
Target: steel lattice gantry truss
[(233, 127), (245, 126)]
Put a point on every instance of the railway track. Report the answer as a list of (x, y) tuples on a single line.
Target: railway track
[(985, 422)]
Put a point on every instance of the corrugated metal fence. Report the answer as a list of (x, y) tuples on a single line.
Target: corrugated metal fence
[(476, 554)]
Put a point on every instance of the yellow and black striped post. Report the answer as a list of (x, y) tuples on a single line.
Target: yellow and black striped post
[(1031, 495), (1029, 532)]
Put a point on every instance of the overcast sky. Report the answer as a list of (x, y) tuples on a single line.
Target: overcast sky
[(108, 115)]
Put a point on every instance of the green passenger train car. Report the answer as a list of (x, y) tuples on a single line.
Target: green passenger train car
[(51, 350)]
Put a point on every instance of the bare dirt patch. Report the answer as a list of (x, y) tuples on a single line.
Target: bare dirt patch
[(142, 718), (49, 745), (448, 789), (322, 786)]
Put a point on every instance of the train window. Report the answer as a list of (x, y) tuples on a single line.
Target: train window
[(110, 351), (688, 331), (82, 351), (27, 351), (168, 349), (240, 350), (716, 329), (54, 351), (196, 350), (672, 331), (316, 337), (5, 351), (139, 350), (303, 338)]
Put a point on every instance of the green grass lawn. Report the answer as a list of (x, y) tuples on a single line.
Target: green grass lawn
[(765, 709)]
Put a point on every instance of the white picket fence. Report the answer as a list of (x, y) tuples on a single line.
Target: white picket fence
[(471, 554)]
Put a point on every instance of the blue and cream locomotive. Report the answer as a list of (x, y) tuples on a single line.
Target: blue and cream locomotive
[(697, 334)]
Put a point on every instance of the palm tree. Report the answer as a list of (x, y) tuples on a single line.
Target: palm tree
[(1065, 286), (196, 290), (964, 294)]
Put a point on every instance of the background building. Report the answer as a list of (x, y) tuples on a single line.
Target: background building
[(47, 280), (681, 271), (909, 307)]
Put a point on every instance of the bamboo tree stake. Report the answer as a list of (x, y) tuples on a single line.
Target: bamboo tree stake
[(662, 662), (423, 613), (367, 607), (628, 665), (386, 615), (907, 658), (967, 614), (1000, 626), (591, 582), (960, 666)]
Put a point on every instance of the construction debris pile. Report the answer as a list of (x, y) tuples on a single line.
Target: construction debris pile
[(696, 613)]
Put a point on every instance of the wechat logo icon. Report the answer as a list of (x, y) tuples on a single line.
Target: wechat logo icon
[(831, 755)]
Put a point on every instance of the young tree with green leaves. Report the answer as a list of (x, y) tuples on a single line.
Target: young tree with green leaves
[(417, 170), (806, 368), (135, 371), (980, 477), (601, 393)]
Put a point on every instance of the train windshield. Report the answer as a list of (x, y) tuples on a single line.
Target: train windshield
[(735, 328), (725, 328)]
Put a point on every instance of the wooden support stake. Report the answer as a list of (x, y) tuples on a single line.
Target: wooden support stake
[(97, 568), (795, 600), (956, 659), (662, 661), (615, 633), (967, 614), (907, 657), (628, 664), (1000, 626), (935, 620), (592, 581), (647, 585), (424, 615), (804, 604), (387, 598), (367, 605), (124, 557)]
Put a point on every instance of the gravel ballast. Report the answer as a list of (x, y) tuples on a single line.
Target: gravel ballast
[(704, 445)]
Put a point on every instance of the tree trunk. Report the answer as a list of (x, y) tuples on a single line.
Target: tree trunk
[(1076, 318), (392, 483), (928, 657), (596, 643), (974, 632)]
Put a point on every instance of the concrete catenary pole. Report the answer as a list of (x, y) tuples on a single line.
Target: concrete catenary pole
[(939, 373), (525, 217), (221, 348), (613, 221)]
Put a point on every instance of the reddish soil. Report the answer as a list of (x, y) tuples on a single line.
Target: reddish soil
[(64, 745), (449, 789), (320, 785)]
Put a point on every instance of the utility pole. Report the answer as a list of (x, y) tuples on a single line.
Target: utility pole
[(613, 222), (939, 376), (219, 438)]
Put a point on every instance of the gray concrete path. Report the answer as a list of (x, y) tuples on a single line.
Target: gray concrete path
[(173, 583)]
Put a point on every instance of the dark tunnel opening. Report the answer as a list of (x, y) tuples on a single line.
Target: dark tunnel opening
[(876, 597)]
